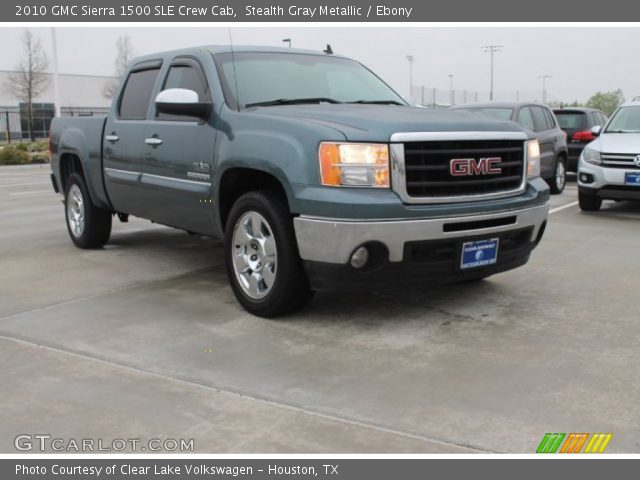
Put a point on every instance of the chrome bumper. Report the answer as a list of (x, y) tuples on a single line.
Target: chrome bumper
[(333, 241)]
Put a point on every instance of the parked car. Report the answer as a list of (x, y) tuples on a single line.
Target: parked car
[(540, 120), (577, 124), (609, 167), (317, 175)]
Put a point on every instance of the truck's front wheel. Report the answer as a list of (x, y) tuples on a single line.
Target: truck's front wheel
[(263, 263), (88, 225)]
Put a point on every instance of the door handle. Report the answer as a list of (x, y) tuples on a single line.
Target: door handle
[(153, 141), (112, 138)]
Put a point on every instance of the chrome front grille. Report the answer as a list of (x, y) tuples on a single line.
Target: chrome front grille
[(424, 166), (619, 160)]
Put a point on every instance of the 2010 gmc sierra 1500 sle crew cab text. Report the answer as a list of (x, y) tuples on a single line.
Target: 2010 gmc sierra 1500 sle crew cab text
[(318, 175)]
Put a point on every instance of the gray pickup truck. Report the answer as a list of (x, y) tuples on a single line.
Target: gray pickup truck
[(317, 175)]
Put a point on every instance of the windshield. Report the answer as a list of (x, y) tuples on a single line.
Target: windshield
[(493, 112), (289, 78), (571, 120), (625, 120)]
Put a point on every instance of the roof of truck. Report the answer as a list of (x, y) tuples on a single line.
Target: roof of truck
[(214, 49)]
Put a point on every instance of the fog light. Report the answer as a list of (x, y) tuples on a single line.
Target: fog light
[(585, 178), (360, 257)]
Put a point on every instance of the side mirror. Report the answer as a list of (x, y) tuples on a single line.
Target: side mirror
[(181, 101), (595, 131)]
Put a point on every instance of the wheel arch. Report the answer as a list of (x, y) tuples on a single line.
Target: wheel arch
[(238, 180)]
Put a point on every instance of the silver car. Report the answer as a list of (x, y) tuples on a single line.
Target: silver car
[(609, 167)]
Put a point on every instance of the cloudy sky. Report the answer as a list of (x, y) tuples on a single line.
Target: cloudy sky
[(580, 60)]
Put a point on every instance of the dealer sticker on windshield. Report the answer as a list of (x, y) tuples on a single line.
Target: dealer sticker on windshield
[(632, 178), (479, 253)]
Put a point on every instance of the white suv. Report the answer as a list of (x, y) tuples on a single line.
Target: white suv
[(609, 167)]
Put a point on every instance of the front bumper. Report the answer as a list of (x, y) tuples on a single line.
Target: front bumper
[(427, 250), (608, 182)]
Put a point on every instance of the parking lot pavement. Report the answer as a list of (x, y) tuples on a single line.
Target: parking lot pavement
[(144, 339)]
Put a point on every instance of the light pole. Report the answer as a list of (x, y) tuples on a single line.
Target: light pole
[(491, 49), (451, 94), (287, 40), (411, 59), (544, 87), (56, 85)]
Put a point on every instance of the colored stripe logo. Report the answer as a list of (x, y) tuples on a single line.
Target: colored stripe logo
[(574, 442)]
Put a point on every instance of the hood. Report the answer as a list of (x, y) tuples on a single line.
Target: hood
[(376, 123), (618, 143)]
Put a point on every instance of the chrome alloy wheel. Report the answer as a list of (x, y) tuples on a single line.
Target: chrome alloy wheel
[(75, 211), (561, 175), (255, 258)]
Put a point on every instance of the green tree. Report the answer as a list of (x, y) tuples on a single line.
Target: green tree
[(606, 101)]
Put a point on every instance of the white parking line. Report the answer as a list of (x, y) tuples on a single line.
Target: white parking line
[(568, 205), (31, 192), (23, 184)]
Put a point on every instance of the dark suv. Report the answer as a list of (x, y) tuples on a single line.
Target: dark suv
[(577, 124), (541, 121)]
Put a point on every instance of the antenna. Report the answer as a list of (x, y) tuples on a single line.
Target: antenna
[(328, 50), (233, 62)]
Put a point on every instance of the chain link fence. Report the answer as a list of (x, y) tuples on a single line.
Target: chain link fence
[(14, 121), (439, 98)]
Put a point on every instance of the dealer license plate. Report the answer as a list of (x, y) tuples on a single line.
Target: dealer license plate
[(479, 253)]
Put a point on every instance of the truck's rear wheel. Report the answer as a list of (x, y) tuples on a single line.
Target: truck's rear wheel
[(263, 264), (88, 225)]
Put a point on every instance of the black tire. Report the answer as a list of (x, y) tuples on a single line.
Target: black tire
[(589, 202), (559, 179), (289, 290), (96, 224)]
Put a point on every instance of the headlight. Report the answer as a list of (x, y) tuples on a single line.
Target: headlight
[(592, 156), (533, 158), (354, 164)]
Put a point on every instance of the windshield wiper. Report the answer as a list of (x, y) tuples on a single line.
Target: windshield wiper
[(378, 102), (291, 101), (622, 131)]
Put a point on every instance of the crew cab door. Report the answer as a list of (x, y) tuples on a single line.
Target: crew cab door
[(124, 148), (178, 168)]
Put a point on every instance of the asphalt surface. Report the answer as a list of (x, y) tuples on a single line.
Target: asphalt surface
[(143, 339)]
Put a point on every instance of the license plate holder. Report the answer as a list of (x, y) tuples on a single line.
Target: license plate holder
[(479, 253)]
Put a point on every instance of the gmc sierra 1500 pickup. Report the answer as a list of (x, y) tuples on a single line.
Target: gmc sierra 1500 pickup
[(317, 175)]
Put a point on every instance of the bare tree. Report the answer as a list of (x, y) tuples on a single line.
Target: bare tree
[(30, 78), (124, 54)]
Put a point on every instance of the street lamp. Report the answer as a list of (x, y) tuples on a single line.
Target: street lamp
[(56, 85), (491, 49), (287, 40), (411, 59), (451, 93), (544, 87)]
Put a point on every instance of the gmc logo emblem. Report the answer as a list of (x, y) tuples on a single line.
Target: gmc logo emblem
[(462, 167)]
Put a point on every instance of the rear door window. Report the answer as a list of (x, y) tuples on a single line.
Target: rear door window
[(525, 118), (540, 121), (551, 122), (134, 101)]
